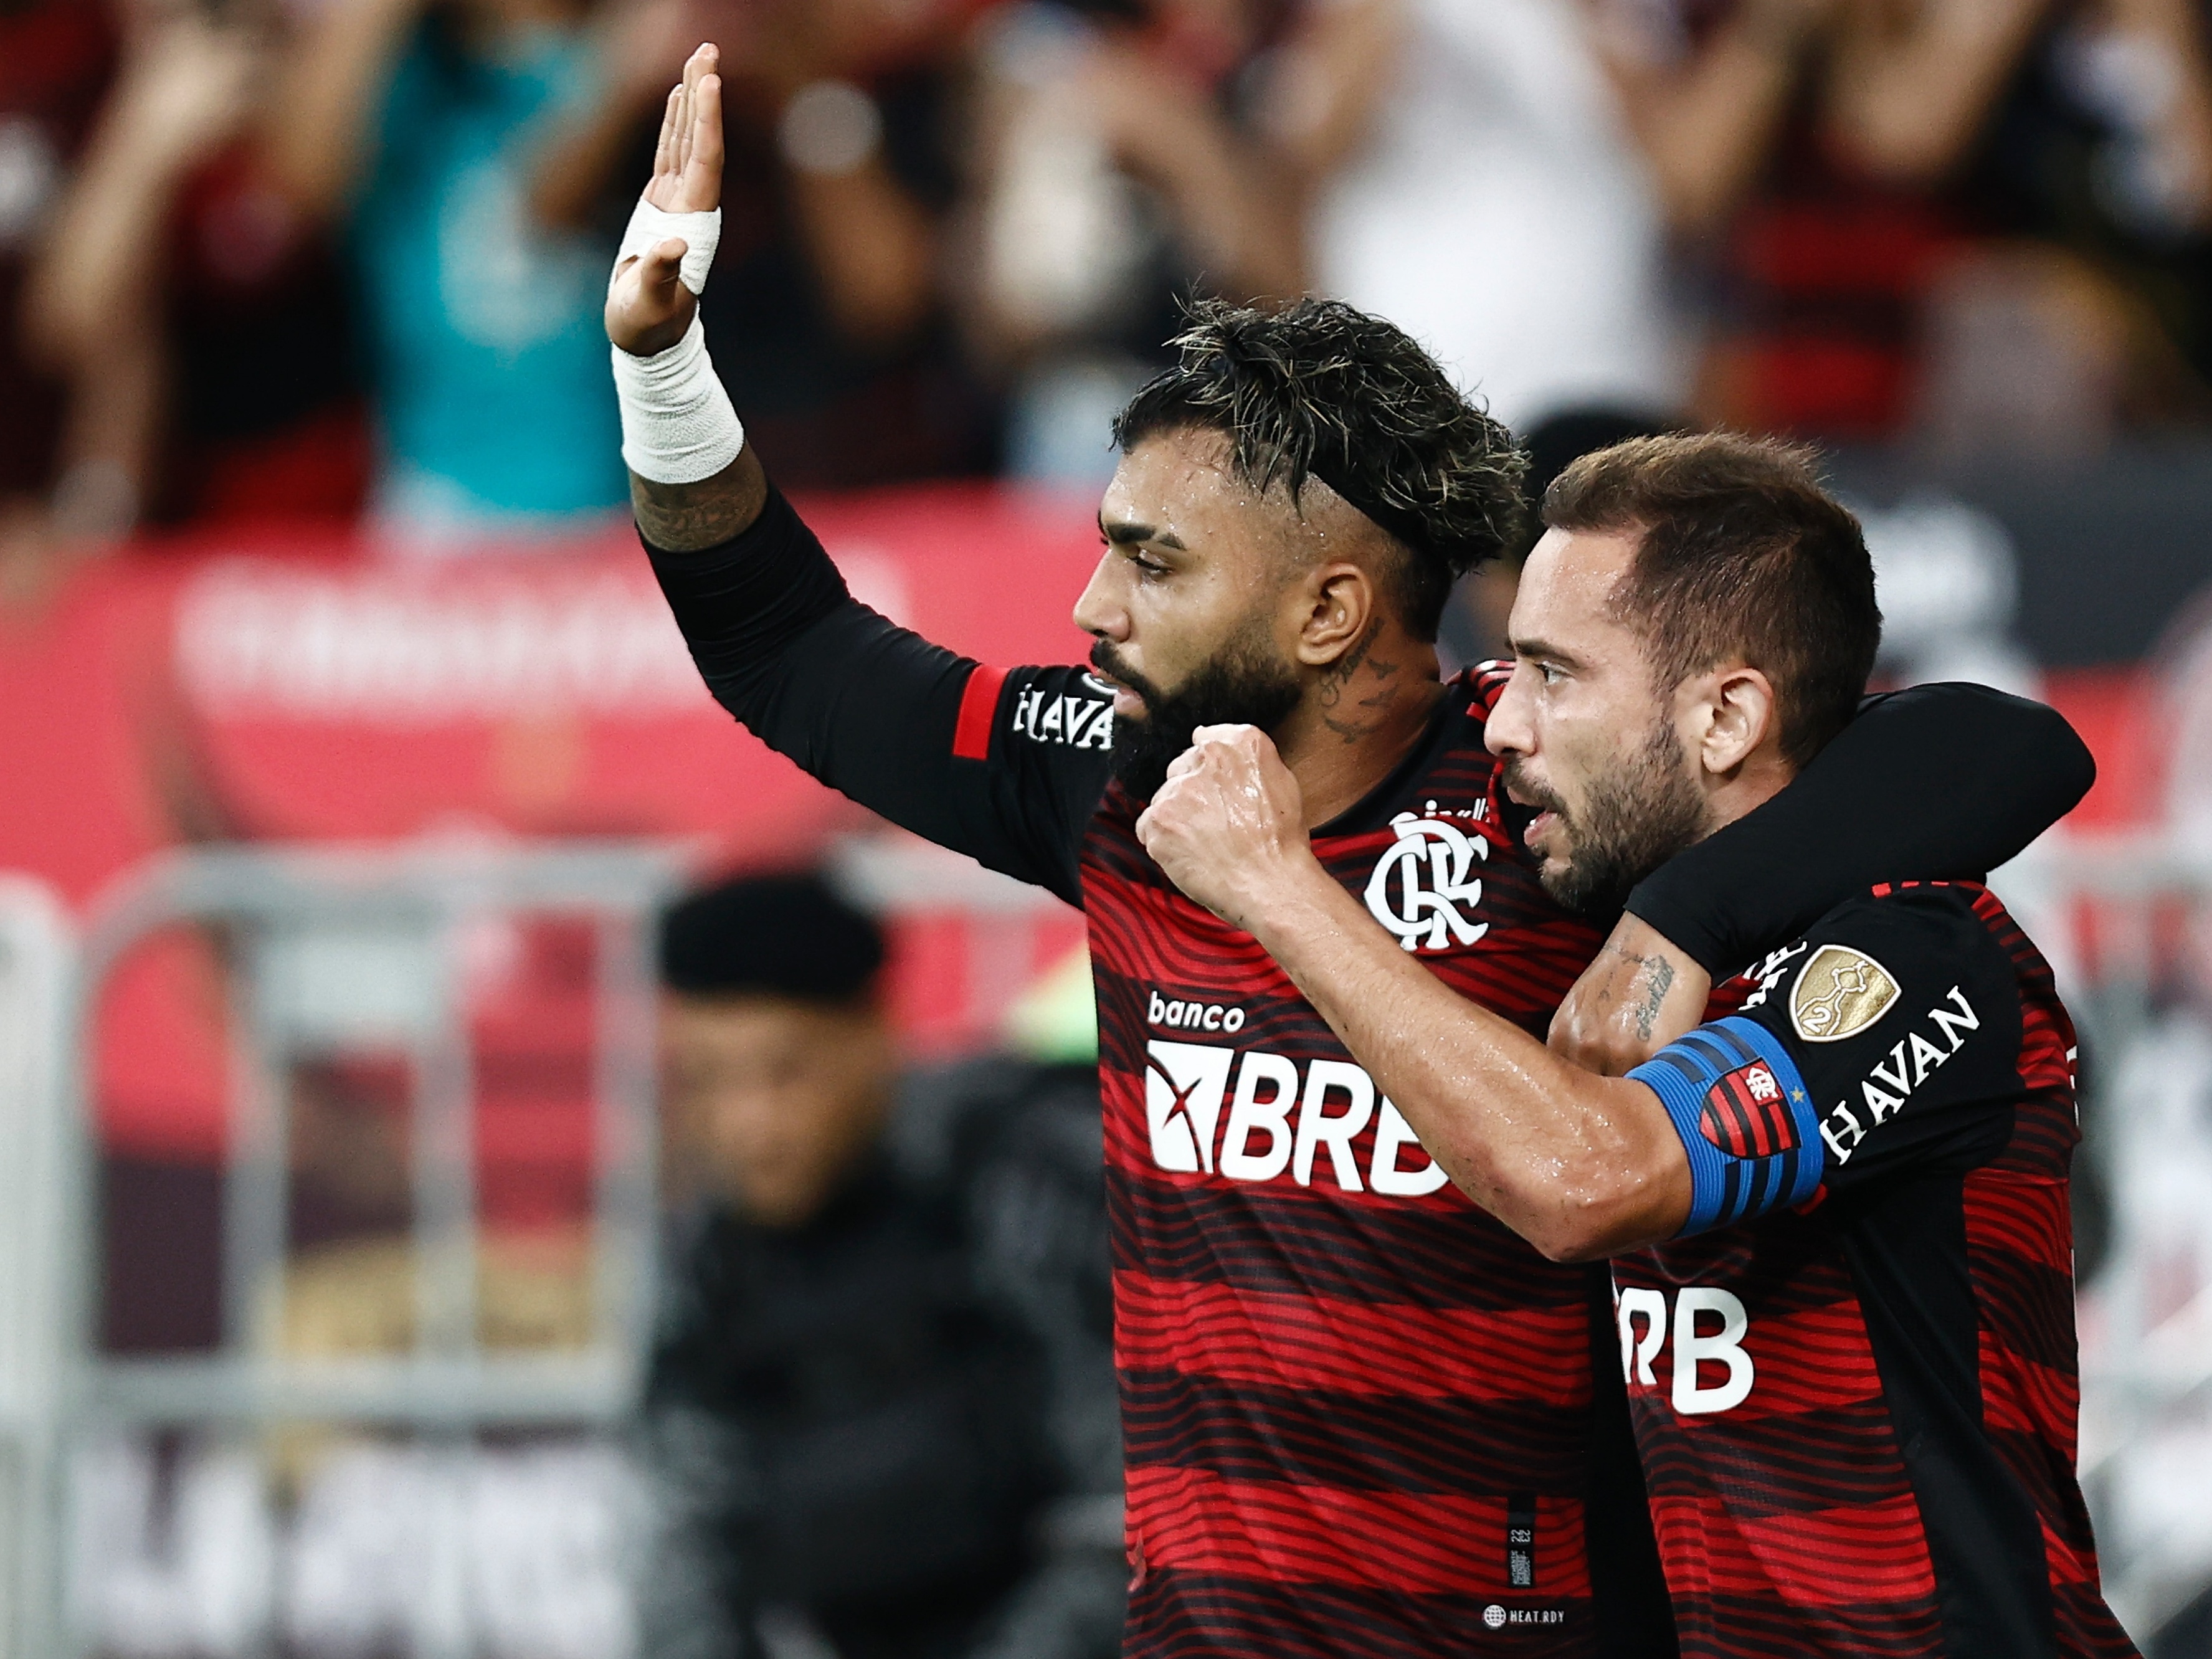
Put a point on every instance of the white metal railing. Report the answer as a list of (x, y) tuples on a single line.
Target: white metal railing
[(331, 949), (328, 950), (36, 956), (2127, 923)]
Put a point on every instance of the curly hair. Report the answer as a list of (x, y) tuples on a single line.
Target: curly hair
[(1316, 389)]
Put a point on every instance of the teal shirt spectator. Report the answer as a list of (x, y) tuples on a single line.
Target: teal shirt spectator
[(487, 349)]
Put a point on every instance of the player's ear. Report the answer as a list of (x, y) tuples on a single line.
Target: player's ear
[(1740, 716), (1337, 608)]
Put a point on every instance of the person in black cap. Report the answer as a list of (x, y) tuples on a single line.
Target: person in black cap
[(883, 1381)]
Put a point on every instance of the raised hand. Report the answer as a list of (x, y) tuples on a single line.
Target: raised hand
[(648, 308)]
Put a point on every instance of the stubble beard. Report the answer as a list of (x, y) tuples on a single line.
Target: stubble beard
[(1637, 816), (1243, 684)]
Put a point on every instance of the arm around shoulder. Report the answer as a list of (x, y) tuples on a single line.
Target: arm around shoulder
[(1938, 782)]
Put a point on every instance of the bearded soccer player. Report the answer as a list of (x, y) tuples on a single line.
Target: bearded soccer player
[(1361, 1418), (1839, 1209)]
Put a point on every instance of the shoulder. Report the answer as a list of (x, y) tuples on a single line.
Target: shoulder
[(1485, 684), (1894, 961), (1926, 923)]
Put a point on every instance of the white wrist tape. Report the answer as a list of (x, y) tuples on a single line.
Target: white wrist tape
[(677, 422), (649, 226)]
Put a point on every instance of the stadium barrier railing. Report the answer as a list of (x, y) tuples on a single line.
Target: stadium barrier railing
[(37, 954), (329, 950), (2127, 922)]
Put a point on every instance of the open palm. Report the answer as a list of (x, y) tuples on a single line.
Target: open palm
[(648, 308)]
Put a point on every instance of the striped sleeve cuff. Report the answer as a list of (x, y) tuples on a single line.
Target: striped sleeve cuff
[(1745, 1119)]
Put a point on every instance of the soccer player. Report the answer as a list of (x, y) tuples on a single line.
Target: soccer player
[(1361, 1416), (1839, 1210)]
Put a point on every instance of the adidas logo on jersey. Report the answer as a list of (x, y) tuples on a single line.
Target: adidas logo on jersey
[(1423, 889), (1281, 1118)]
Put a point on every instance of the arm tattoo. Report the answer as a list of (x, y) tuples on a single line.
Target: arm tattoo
[(1659, 977), (689, 518), (1657, 974)]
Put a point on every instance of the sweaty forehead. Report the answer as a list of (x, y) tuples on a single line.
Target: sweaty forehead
[(1178, 484), (1565, 598), (1184, 488)]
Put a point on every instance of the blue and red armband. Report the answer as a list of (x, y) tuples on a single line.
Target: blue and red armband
[(1745, 1119)]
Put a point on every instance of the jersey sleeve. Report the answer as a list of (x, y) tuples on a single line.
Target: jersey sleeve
[(1935, 783), (1887, 1039), (1006, 765)]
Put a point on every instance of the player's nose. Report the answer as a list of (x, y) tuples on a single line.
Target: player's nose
[(1511, 728), (1099, 611)]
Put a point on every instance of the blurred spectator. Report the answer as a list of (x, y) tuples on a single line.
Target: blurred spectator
[(1502, 178), (57, 57), (2102, 149), (843, 124), (1119, 164), (420, 127), (1878, 280), (174, 265), (886, 1346)]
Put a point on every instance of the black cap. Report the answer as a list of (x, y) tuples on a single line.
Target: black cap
[(782, 935)]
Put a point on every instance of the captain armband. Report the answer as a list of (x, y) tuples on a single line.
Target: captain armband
[(1745, 1119), (677, 423)]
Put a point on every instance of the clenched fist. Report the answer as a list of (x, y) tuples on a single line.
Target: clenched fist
[(1229, 824)]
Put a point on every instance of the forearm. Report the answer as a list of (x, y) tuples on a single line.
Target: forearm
[(107, 447), (871, 709), (575, 164), (1231, 208), (1704, 132), (1905, 106), (329, 95), (1578, 1164), (1332, 74), (1967, 777), (102, 259), (689, 518)]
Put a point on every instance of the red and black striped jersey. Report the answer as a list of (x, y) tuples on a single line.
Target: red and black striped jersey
[(1362, 1419), (1854, 1379), (1357, 1410)]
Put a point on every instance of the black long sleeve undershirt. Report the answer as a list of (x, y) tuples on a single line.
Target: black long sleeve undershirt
[(871, 709), (1940, 781)]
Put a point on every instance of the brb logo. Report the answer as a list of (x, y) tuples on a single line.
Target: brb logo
[(1187, 1083), (1710, 1325), (1419, 885)]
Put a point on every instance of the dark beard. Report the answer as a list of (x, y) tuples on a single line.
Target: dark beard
[(1635, 819), (1242, 685)]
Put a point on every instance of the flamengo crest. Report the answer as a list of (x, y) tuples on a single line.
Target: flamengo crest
[(1420, 886)]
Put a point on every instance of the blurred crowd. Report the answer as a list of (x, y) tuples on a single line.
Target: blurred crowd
[(345, 259)]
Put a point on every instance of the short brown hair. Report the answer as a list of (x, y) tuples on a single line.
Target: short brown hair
[(1743, 554)]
